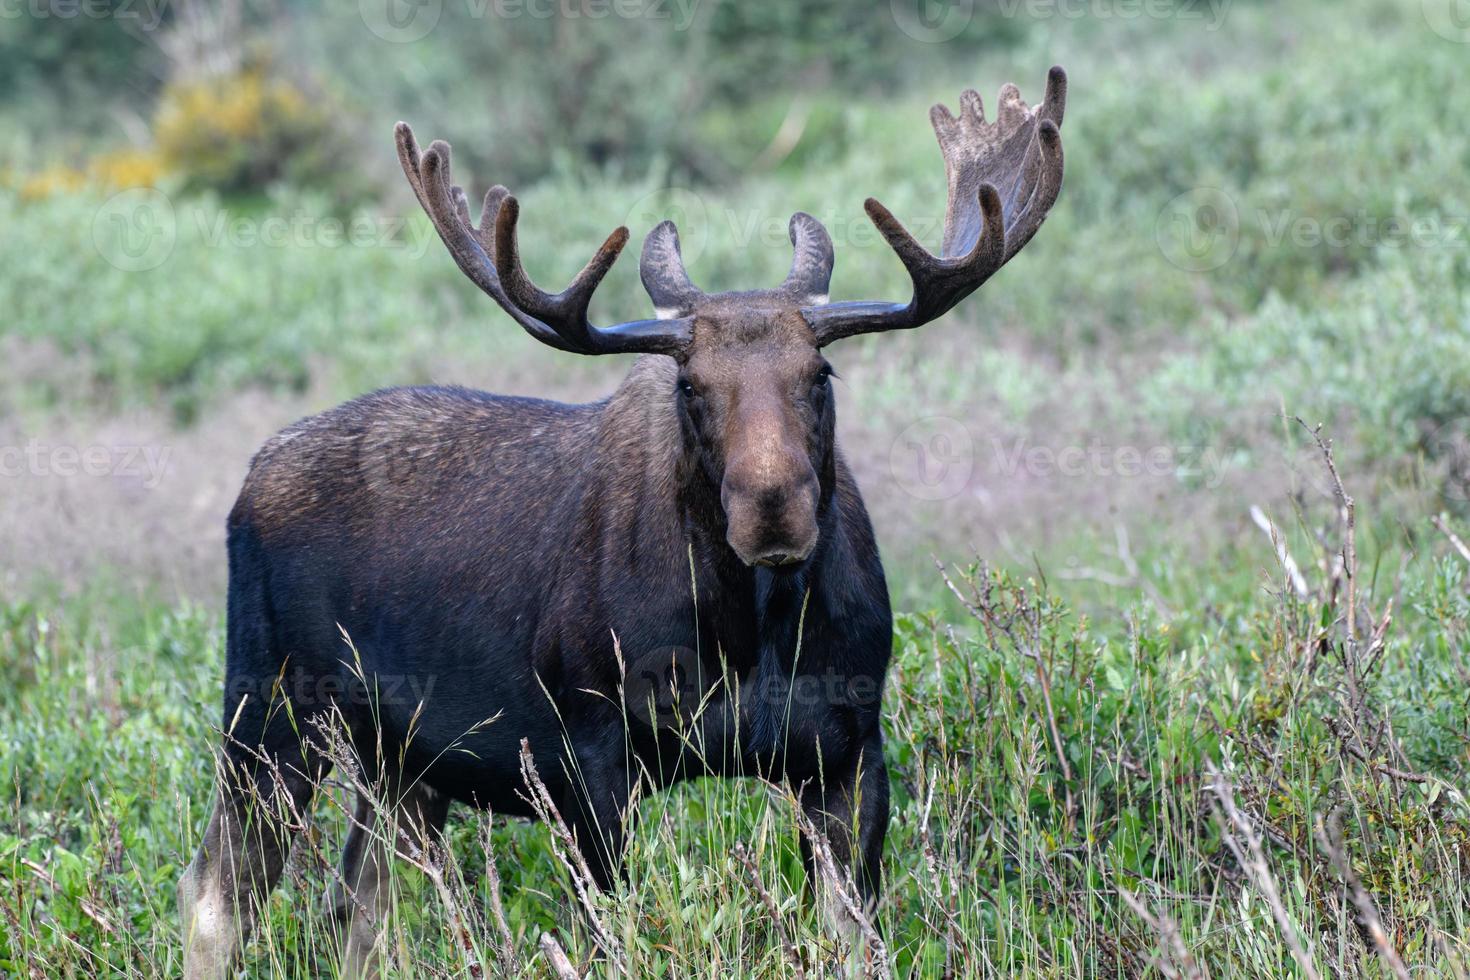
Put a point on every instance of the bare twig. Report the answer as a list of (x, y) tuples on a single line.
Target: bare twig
[(88, 907), (954, 936), (1132, 577), (557, 958), (1252, 861), (408, 839), (1349, 521), (1028, 644), (838, 878), (506, 953), (564, 844), (1168, 932), (1278, 542), (1459, 545), (1329, 835), (773, 911)]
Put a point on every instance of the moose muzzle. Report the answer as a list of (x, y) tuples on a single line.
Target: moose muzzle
[(771, 510)]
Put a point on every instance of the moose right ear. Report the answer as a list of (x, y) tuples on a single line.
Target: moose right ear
[(810, 277), (664, 278)]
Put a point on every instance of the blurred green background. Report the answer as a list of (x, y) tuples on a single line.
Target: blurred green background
[(207, 235)]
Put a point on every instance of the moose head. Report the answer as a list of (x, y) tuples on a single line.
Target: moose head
[(752, 386)]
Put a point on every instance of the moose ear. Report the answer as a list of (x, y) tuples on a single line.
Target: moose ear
[(662, 270), (810, 277)]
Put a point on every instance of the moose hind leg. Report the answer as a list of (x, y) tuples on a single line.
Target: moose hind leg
[(360, 898), (238, 863)]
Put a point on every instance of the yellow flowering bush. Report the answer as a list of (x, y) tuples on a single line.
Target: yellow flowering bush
[(112, 171), (242, 132), (53, 180), (121, 169)]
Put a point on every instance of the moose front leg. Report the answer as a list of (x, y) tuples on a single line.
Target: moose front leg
[(594, 804), (849, 808)]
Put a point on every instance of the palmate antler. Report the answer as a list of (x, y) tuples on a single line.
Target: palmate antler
[(488, 255), (1003, 179)]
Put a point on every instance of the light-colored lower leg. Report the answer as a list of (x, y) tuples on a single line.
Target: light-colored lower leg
[(212, 932), (215, 891)]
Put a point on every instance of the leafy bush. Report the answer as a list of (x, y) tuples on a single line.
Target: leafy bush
[(111, 171), (246, 131), (1071, 797)]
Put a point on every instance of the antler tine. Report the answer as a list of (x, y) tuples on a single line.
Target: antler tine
[(569, 305), (489, 256), (1048, 186), (1003, 176)]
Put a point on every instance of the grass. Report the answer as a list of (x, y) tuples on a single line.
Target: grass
[(1064, 795)]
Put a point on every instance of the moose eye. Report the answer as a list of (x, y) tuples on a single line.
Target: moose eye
[(686, 388), (820, 381)]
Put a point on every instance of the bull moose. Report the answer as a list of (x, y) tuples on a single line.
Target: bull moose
[(520, 560)]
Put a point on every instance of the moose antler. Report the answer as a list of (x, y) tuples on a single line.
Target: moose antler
[(489, 256), (1003, 179)]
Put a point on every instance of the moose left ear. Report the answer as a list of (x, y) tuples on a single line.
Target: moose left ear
[(810, 277), (664, 279)]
